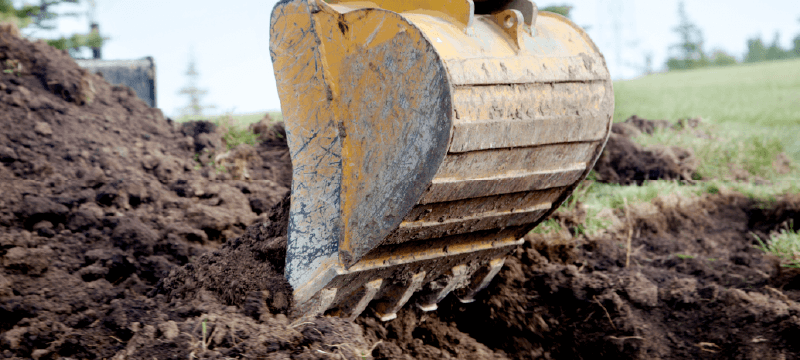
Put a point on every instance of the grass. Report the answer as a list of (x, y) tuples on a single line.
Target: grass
[(751, 111), (750, 149), (234, 133), (243, 120), (235, 126), (741, 102), (762, 94), (785, 245)]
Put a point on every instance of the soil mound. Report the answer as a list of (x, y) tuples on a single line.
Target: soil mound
[(252, 263), (695, 287), (101, 198), (626, 162)]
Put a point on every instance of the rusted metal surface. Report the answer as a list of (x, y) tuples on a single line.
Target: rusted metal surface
[(483, 164), (455, 189), (421, 230), (362, 301), (525, 70), (529, 101), (505, 133), (446, 211), (426, 140), (351, 285), (434, 248)]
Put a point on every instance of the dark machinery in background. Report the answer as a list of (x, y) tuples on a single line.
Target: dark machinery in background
[(139, 74)]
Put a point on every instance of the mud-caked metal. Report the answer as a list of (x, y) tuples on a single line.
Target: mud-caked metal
[(426, 140)]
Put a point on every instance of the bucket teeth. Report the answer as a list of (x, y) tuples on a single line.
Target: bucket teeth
[(481, 280), (398, 297), (455, 277), (324, 302), (361, 301)]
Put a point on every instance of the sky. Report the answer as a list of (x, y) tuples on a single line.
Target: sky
[(229, 40)]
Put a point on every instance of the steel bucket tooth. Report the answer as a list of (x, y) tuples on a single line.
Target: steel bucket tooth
[(480, 280), (455, 277), (399, 296)]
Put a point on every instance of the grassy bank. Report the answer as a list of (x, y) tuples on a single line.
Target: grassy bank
[(235, 127), (752, 114), (745, 103)]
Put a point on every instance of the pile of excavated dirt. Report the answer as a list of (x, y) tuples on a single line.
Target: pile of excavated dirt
[(101, 197), (626, 162), (125, 236), (694, 287)]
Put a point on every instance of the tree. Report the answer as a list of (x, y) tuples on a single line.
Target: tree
[(795, 52), (195, 94), (42, 17), (756, 51), (775, 52), (722, 58), (690, 49), (20, 17)]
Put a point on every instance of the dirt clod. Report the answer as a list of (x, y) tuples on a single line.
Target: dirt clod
[(625, 162)]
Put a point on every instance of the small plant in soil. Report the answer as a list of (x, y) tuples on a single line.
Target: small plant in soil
[(12, 66), (234, 134), (785, 244)]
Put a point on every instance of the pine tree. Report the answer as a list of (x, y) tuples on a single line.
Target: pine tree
[(195, 94), (690, 48), (796, 49), (775, 52), (756, 51)]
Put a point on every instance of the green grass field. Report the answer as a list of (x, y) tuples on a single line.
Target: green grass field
[(763, 94), (741, 102), (752, 112)]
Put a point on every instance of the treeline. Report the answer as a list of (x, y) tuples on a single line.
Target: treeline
[(44, 17), (690, 53)]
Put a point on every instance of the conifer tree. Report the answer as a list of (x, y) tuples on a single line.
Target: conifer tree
[(195, 107), (690, 49)]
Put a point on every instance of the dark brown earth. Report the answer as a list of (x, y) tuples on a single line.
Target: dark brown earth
[(121, 236), (695, 287), (625, 162)]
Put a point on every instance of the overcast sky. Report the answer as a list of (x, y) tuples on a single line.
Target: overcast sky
[(230, 39)]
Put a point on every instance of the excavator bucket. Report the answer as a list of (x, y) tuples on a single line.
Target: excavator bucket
[(427, 138)]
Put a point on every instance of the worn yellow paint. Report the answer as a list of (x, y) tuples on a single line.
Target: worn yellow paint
[(426, 253), (381, 96), (458, 12), (345, 34)]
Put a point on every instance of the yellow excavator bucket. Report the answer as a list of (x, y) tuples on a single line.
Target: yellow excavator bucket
[(427, 138)]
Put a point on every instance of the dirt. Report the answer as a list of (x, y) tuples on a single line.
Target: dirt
[(122, 236), (695, 287), (625, 162), (102, 197)]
